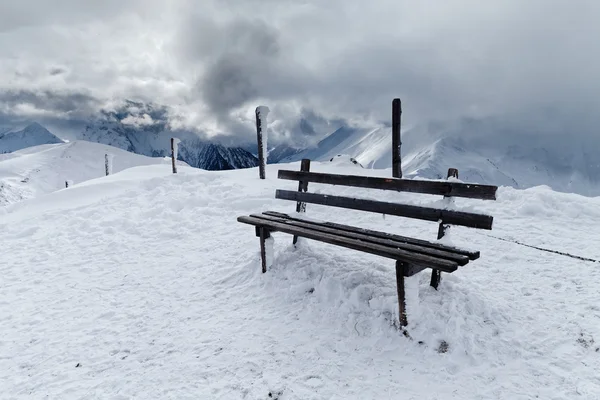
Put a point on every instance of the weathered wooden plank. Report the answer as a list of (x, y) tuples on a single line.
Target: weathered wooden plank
[(455, 189), (473, 255), (371, 248), (401, 210), (448, 255)]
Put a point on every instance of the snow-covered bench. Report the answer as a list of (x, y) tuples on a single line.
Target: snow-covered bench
[(411, 255)]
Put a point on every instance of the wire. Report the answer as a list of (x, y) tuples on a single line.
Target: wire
[(543, 249)]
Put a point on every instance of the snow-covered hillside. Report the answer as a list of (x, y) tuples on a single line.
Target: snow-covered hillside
[(42, 169), (34, 134), (483, 151), (143, 285)]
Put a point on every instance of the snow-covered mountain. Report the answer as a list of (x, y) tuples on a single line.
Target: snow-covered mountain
[(43, 169), (34, 134), (484, 151), (215, 157), (144, 129)]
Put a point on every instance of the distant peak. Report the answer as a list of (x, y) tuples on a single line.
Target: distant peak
[(36, 127)]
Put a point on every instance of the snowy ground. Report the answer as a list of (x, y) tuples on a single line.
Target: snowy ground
[(143, 285), (38, 170)]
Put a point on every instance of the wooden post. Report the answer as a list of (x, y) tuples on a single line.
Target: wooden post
[(436, 275), (261, 113), (396, 140), (302, 187), (173, 155), (106, 167), (401, 293), (264, 235)]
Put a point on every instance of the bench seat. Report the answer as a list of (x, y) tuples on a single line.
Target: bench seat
[(418, 254)]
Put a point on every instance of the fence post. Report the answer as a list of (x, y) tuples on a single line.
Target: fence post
[(107, 166), (261, 125), (174, 148), (396, 140), (435, 274)]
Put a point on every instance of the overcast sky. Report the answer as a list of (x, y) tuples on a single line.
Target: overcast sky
[(212, 62)]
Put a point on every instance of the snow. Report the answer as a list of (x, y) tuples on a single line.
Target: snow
[(143, 285), (176, 147), (38, 170)]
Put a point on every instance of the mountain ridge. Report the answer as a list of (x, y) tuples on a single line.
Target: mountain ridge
[(488, 154), (33, 134)]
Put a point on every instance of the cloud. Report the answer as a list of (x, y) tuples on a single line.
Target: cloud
[(142, 120), (312, 62), (60, 103)]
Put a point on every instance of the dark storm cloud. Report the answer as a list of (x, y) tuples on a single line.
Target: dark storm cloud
[(57, 71), (56, 102), (213, 62), (238, 57)]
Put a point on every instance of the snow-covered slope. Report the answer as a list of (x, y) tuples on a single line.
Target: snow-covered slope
[(143, 285), (32, 135), (369, 146), (483, 151), (42, 169)]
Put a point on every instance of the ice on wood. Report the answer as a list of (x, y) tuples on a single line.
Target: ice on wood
[(175, 147), (108, 163), (411, 290), (269, 251), (262, 112)]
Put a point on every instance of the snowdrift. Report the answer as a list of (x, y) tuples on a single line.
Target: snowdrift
[(143, 285)]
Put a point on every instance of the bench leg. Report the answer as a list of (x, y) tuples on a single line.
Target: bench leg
[(264, 235), (400, 266), (435, 278)]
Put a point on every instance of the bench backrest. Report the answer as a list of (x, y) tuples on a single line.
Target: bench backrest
[(443, 188)]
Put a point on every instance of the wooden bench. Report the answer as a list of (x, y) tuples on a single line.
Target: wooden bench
[(411, 255)]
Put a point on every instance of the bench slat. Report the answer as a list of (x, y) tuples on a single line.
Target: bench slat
[(445, 254), (455, 189), (473, 255), (383, 251), (402, 210)]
